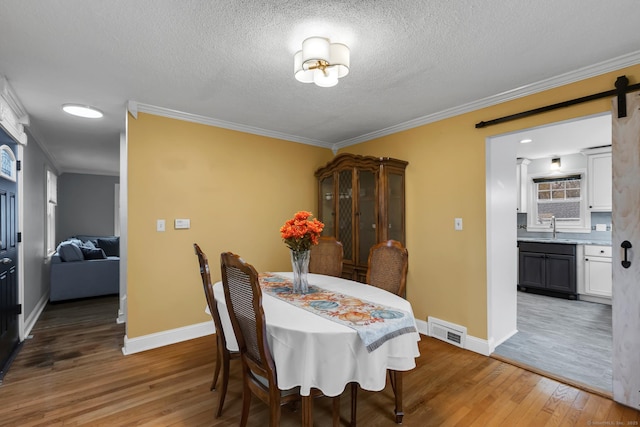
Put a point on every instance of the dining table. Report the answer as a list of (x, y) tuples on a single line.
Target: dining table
[(315, 351)]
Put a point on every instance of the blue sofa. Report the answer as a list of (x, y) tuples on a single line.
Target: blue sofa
[(85, 266)]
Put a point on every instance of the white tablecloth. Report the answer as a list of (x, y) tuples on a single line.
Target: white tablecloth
[(311, 351)]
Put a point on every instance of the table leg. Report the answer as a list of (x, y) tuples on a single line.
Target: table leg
[(396, 384), (307, 411)]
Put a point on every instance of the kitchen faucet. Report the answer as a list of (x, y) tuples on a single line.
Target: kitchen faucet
[(553, 225)]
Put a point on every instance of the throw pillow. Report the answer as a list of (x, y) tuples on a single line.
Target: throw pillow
[(88, 244), (110, 245), (69, 252), (93, 253)]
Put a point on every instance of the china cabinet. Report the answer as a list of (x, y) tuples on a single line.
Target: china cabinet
[(361, 201)]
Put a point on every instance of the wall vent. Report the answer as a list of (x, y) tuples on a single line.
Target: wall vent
[(447, 332)]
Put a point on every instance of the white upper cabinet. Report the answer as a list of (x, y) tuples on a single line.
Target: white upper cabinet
[(599, 173)]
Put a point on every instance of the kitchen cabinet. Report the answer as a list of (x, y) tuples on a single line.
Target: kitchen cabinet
[(599, 179), (547, 267), (597, 270), (361, 202), (522, 184)]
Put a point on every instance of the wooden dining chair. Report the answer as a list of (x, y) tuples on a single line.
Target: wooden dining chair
[(326, 257), (223, 354), (387, 266), (244, 302)]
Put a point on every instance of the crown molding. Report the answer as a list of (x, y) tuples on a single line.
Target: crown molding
[(136, 107), (550, 83), (567, 78), (10, 97)]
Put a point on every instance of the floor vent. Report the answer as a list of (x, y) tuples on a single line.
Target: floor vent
[(447, 332)]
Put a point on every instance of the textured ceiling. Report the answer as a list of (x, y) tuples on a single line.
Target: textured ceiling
[(232, 61)]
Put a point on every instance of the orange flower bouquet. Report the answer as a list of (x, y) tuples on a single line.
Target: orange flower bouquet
[(301, 232)]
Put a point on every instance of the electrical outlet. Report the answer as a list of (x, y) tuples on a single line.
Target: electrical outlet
[(457, 224)]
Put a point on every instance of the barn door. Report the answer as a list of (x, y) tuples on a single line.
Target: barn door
[(626, 232)]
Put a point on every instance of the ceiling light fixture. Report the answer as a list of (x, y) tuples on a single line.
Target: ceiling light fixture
[(82, 111), (321, 62), (555, 163)]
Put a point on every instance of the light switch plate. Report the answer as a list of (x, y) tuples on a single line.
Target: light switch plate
[(457, 223), (182, 224), (160, 225)]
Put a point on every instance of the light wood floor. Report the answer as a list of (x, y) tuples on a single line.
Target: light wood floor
[(72, 372)]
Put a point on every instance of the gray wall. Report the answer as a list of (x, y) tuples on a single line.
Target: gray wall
[(86, 205), (36, 271)]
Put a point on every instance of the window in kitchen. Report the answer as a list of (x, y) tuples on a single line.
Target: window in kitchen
[(562, 197)]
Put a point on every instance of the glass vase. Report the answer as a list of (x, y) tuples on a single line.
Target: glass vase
[(300, 264)]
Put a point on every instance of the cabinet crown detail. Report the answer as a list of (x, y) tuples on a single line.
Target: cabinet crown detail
[(347, 160)]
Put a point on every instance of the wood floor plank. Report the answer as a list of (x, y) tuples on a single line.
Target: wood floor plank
[(72, 373)]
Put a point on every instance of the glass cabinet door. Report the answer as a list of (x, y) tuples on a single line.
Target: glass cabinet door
[(327, 206), (368, 214), (395, 200), (345, 212)]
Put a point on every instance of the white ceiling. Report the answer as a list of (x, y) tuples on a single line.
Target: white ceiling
[(563, 138), (232, 61)]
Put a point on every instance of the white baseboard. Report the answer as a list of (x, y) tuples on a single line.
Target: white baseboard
[(477, 345), (506, 337), (172, 336), (30, 321), (423, 327)]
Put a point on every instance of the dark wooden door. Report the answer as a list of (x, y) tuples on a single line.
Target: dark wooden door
[(9, 303)]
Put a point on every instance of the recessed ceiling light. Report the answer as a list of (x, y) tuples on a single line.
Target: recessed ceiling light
[(525, 141), (82, 111)]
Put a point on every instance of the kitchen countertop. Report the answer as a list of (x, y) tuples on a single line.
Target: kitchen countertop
[(565, 241)]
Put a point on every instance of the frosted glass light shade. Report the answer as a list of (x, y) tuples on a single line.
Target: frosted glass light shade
[(82, 111), (321, 62), (302, 75), (328, 80), (315, 49), (340, 58)]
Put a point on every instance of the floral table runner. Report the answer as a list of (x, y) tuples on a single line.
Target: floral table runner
[(374, 323)]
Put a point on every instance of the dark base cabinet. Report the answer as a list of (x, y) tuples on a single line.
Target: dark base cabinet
[(548, 267)]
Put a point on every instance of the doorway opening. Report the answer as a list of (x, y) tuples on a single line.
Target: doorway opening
[(535, 330)]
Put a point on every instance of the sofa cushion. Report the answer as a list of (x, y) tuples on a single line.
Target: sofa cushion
[(69, 252), (110, 245), (93, 253)]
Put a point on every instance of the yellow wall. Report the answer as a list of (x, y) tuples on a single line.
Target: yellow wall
[(237, 189), (446, 179)]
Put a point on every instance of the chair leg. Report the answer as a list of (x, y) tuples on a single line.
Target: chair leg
[(226, 359), (246, 403), (354, 402), (218, 363)]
